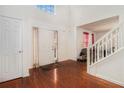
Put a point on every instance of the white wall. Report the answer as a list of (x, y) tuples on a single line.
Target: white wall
[(98, 35), (86, 14), (34, 17)]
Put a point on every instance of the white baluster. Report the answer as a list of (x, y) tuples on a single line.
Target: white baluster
[(116, 40), (106, 47), (95, 53), (88, 58), (120, 37), (98, 51), (103, 48), (92, 54), (111, 40)]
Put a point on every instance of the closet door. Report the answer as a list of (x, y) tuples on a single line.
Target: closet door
[(46, 51), (10, 49)]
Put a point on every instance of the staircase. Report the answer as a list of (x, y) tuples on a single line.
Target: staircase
[(103, 51)]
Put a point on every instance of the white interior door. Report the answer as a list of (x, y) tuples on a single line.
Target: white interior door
[(46, 51), (10, 49)]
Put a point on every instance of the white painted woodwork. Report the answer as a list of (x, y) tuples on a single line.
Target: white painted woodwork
[(46, 47), (10, 48)]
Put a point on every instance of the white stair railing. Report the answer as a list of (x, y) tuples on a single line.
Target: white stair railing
[(106, 46)]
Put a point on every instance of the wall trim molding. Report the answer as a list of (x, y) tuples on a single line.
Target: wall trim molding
[(108, 79)]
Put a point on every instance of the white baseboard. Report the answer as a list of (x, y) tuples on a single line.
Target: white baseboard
[(108, 79), (111, 80), (26, 74)]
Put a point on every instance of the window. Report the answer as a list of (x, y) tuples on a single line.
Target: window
[(47, 8), (85, 39)]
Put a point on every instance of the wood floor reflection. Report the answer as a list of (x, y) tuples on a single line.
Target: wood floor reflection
[(70, 74)]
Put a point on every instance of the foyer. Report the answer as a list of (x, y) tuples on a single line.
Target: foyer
[(41, 46)]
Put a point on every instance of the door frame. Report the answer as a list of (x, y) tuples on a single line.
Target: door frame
[(38, 27)]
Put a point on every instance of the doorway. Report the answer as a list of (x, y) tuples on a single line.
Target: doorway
[(45, 47)]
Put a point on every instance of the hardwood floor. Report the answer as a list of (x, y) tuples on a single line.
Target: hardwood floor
[(69, 74)]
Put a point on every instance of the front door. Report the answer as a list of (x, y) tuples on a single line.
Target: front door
[(46, 47)]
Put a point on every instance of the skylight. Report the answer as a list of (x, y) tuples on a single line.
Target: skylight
[(47, 8)]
